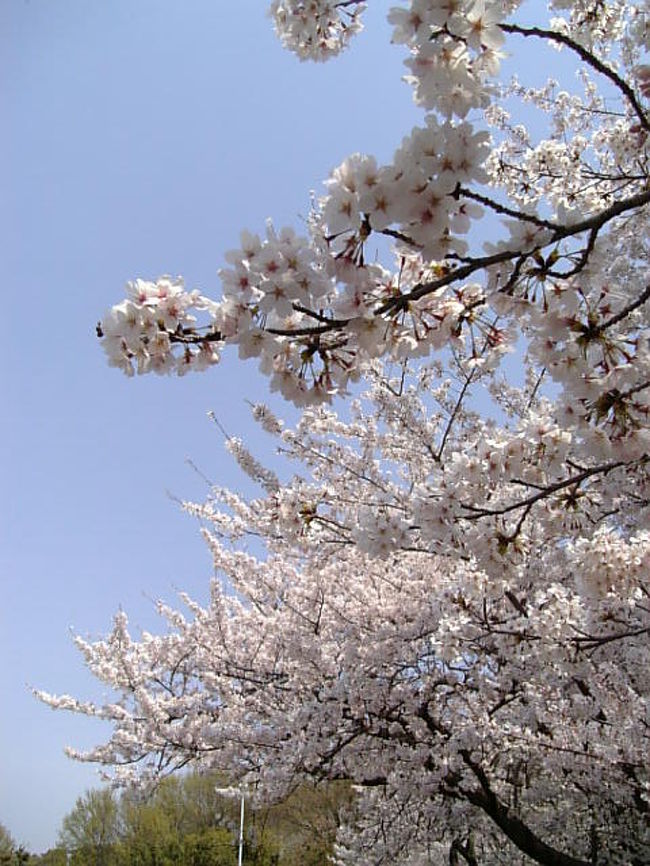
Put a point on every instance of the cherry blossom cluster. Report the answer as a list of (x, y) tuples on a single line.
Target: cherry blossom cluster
[(416, 193), (316, 29), (604, 27), (276, 285), (454, 49), (139, 333)]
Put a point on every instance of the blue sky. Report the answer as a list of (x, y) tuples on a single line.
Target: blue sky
[(139, 137)]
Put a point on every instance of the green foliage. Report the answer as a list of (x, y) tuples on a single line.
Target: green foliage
[(10, 853), (149, 837), (304, 825), (186, 823), (213, 847), (53, 857), (91, 830), (7, 845)]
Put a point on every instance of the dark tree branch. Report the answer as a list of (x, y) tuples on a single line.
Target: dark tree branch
[(465, 851), (595, 221), (503, 209), (514, 828), (603, 469), (452, 417), (592, 641), (453, 275), (399, 236), (614, 320), (589, 58), (582, 261)]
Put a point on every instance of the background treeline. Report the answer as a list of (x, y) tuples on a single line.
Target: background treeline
[(185, 821)]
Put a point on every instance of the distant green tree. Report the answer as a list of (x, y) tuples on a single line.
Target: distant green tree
[(21, 856), (12, 854), (212, 847), (191, 803), (7, 845), (91, 831), (149, 837), (263, 850), (305, 824), (52, 857)]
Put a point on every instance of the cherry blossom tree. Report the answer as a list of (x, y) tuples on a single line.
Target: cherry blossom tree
[(449, 603)]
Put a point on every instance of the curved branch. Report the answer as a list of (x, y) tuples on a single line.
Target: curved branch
[(513, 827), (589, 58), (503, 209), (454, 275), (615, 319), (593, 641), (595, 221), (544, 493)]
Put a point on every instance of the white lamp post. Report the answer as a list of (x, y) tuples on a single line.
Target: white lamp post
[(236, 792), (241, 832)]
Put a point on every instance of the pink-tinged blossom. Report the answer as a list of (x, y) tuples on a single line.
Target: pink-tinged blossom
[(316, 29)]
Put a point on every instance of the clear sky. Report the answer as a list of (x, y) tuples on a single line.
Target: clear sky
[(138, 138)]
